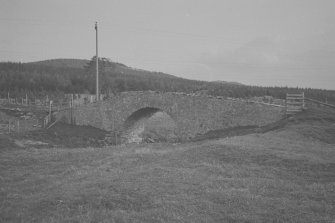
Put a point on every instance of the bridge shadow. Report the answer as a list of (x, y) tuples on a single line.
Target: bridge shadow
[(149, 125), (140, 114)]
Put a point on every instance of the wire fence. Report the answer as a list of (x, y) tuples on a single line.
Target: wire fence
[(19, 126), (320, 102), (44, 108), (56, 104)]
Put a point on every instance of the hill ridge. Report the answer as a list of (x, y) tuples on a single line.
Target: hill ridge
[(66, 75)]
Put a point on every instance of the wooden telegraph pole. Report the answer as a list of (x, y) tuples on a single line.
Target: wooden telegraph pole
[(97, 62)]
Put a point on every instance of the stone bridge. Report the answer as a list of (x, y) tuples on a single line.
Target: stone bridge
[(192, 114)]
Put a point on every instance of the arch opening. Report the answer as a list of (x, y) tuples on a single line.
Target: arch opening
[(149, 125)]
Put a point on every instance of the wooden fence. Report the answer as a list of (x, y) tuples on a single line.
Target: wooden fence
[(320, 102), (295, 103)]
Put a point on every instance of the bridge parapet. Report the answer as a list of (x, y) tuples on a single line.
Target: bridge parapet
[(193, 114)]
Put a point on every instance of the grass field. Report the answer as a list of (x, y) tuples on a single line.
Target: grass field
[(286, 175)]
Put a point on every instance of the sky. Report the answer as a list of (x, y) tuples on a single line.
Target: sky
[(255, 42)]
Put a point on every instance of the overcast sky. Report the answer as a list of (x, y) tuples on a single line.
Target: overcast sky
[(257, 42)]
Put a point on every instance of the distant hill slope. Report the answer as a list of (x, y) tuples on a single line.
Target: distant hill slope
[(140, 72), (69, 63), (59, 76), (112, 66), (227, 82)]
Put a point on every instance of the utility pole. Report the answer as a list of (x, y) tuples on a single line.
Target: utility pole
[(97, 62)]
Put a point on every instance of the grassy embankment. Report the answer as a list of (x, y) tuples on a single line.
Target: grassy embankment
[(287, 175)]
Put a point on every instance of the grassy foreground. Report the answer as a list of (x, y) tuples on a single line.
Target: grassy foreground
[(279, 176)]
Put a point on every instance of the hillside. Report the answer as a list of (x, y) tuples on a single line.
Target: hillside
[(59, 76), (68, 63), (111, 66)]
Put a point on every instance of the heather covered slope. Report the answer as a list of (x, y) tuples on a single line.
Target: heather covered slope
[(59, 76)]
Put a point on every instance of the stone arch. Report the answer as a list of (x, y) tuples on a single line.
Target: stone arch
[(149, 122), (139, 114)]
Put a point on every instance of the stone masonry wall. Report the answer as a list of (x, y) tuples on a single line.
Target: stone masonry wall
[(192, 114)]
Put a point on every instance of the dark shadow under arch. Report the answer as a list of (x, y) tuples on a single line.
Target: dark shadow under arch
[(150, 124), (146, 112)]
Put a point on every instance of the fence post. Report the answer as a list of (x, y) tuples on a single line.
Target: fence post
[(72, 100), (45, 120), (70, 111), (50, 104)]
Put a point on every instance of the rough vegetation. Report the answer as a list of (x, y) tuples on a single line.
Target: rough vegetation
[(56, 77), (283, 175)]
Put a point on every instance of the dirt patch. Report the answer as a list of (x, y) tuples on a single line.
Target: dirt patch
[(240, 130), (64, 135)]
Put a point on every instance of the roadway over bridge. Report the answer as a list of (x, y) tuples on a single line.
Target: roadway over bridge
[(192, 114)]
